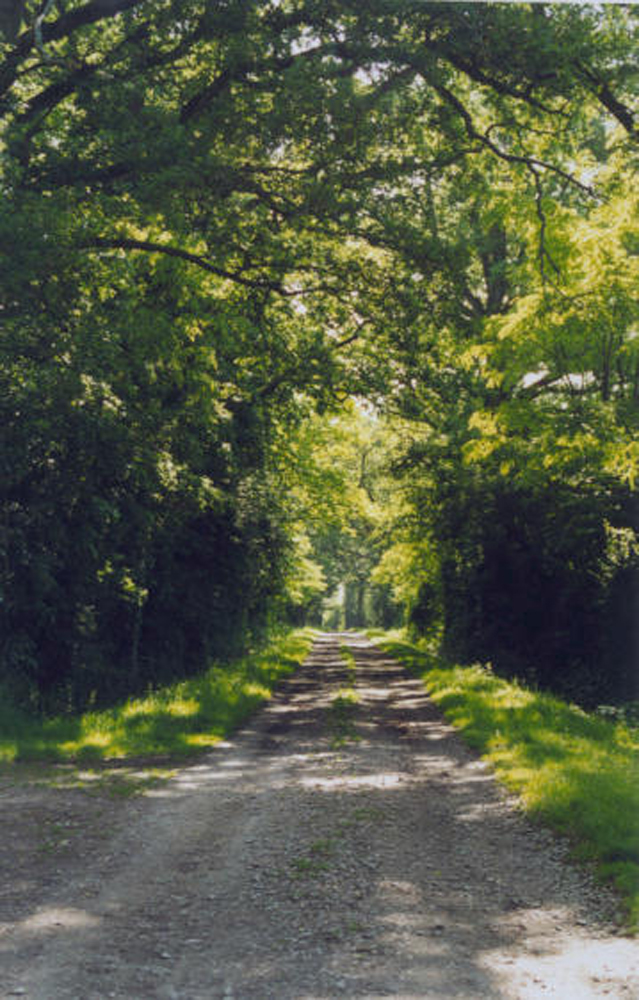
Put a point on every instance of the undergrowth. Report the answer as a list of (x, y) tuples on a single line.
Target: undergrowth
[(176, 721), (576, 771)]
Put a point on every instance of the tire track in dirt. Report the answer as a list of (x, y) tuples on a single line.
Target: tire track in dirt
[(288, 864)]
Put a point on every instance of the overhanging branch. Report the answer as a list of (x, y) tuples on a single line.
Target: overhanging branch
[(148, 246), (605, 96), (526, 161)]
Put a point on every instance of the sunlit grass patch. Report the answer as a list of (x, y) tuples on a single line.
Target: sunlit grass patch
[(344, 704), (341, 717), (348, 657), (396, 644), (576, 771), (345, 698), (177, 721)]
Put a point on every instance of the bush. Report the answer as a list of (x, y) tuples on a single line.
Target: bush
[(538, 584)]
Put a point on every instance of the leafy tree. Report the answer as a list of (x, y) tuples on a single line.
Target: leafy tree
[(219, 216), (522, 464)]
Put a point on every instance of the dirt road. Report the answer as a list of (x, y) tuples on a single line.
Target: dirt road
[(316, 856)]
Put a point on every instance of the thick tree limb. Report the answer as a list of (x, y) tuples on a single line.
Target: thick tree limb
[(148, 246), (64, 26), (91, 13), (605, 96), (239, 73), (474, 72)]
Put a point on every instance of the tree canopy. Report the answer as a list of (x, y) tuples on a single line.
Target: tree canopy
[(222, 222)]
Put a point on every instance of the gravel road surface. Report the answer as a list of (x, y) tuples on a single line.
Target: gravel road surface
[(322, 853)]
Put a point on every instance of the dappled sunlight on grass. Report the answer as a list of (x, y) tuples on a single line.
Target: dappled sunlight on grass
[(572, 769), (180, 720), (113, 780), (203, 740)]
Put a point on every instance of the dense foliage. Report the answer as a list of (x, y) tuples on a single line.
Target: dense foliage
[(221, 216)]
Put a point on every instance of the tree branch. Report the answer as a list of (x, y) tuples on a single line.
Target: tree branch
[(471, 70), (605, 96), (65, 25), (147, 246), (543, 253), (239, 73), (535, 389), (485, 140)]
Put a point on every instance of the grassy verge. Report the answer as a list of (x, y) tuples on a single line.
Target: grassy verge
[(575, 771), (177, 721)]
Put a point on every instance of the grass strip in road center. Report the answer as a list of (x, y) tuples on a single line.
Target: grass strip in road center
[(344, 705), (176, 721), (572, 769)]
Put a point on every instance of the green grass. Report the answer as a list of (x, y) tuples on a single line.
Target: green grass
[(348, 657), (341, 717), (317, 860), (575, 771), (177, 721), (344, 705)]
